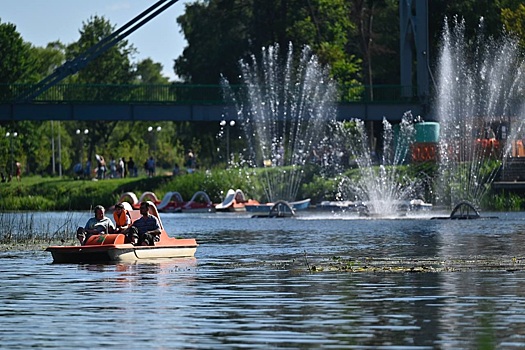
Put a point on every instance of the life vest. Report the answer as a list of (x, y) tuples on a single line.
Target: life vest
[(122, 220)]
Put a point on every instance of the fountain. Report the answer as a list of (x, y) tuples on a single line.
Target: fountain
[(382, 188), (287, 112), (477, 87), (284, 107)]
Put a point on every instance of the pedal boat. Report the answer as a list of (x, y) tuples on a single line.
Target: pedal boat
[(111, 247)]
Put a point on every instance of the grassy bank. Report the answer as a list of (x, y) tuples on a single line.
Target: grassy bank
[(52, 193), (36, 193), (65, 194)]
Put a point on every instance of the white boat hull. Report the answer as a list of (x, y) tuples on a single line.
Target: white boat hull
[(121, 252)]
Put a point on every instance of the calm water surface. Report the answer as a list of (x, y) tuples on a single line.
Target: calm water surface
[(249, 287)]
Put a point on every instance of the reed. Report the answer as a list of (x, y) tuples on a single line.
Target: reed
[(24, 229)]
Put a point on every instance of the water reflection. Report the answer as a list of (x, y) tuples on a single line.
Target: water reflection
[(249, 287)]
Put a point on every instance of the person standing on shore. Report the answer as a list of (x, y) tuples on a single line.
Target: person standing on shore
[(18, 171), (151, 166), (132, 171), (87, 170)]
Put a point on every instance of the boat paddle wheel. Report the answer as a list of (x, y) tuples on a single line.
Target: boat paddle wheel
[(465, 210), (280, 209)]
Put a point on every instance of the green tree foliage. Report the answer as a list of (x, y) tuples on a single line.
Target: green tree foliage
[(149, 72), (377, 47), (247, 26), (37, 143), (16, 60), (47, 59), (216, 31), (470, 10), (359, 39), (514, 21), (113, 66), (325, 25)]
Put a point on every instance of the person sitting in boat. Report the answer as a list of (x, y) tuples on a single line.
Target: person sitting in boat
[(97, 225), (146, 229), (122, 218)]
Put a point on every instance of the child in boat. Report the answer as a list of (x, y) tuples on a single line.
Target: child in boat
[(122, 218), (97, 225)]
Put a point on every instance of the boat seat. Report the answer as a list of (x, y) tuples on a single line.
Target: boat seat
[(153, 211), (127, 206)]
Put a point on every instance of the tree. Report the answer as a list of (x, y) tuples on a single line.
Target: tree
[(384, 48), (220, 33), (514, 21), (48, 58), (16, 60), (217, 35), (326, 27), (363, 14), (149, 72), (111, 67), (471, 11), (226, 31)]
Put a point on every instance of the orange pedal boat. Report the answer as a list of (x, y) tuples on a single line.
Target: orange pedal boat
[(111, 247)]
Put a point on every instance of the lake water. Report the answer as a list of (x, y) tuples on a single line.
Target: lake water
[(249, 287)]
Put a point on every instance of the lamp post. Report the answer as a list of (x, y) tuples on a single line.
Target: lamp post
[(53, 160), (59, 151), (150, 130), (81, 134), (227, 125), (53, 148), (11, 136)]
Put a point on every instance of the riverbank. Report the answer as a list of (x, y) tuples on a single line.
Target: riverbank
[(64, 194), (37, 193), (59, 194)]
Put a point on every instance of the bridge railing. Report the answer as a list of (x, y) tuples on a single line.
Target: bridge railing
[(178, 93)]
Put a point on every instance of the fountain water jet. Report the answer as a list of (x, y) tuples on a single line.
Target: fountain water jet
[(477, 87), (381, 185), (283, 108)]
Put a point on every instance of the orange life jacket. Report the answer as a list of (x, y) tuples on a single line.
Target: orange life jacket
[(122, 220)]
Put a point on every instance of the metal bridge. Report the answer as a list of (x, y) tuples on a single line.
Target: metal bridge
[(51, 100), (175, 102)]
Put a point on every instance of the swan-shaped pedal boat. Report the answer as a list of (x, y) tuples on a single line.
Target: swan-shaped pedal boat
[(112, 247)]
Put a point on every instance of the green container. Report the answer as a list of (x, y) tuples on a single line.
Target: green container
[(427, 132)]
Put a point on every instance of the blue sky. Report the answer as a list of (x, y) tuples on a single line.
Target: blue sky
[(43, 21)]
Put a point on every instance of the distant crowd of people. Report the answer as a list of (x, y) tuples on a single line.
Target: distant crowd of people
[(116, 169), (121, 168)]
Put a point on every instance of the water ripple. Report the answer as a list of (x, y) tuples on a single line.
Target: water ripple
[(250, 288)]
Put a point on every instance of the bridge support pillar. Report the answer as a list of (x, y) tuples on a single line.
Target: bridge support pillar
[(413, 17)]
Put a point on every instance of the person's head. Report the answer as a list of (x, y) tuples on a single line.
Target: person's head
[(119, 207), (144, 208), (99, 212)]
